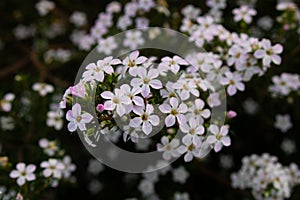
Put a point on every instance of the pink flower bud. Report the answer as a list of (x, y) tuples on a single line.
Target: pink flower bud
[(100, 107), (231, 114), (19, 197)]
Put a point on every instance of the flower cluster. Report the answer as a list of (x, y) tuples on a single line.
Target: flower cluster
[(182, 108), (285, 84), (59, 166), (266, 177)]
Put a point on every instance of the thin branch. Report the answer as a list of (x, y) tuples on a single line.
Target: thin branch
[(14, 67)]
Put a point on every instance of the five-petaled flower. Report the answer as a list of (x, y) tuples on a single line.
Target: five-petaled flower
[(219, 137), (23, 173), (77, 119)]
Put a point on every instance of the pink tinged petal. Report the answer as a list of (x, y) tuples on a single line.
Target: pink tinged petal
[(30, 177), (197, 141), (224, 130), (165, 108), (81, 126), (134, 55), (44, 164), (184, 128), (108, 69), (174, 143), (145, 91), (199, 103), (72, 126), (188, 157), (181, 118), (147, 128), (91, 66), (21, 181), (165, 140), (107, 95), (180, 61), (170, 120), (125, 100), (174, 102), (156, 84), (218, 146), (141, 60), (267, 60), (166, 156), (14, 174), (195, 92), (182, 149), (214, 129), (99, 76), (136, 82), (115, 62), (121, 110), (142, 72), (30, 168), (21, 166), (182, 108), (259, 53), (184, 95), (135, 122), (154, 120), (187, 139), (47, 173), (277, 49), (226, 141), (149, 109), (86, 117), (109, 105), (175, 68), (276, 59), (138, 101), (76, 109), (231, 90), (205, 113), (240, 86), (153, 73)]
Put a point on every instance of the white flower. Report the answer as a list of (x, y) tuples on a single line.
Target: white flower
[(132, 62), (43, 88), (54, 119), (219, 137), (190, 12), (193, 130), (78, 18), (269, 53), (146, 118), (50, 147), (133, 39), (123, 22), (175, 111), (53, 167), (189, 149), (96, 72), (168, 148), (180, 175), (77, 119), (169, 91), (5, 103), (216, 4), (185, 87), (283, 123), (44, 7), (172, 64), (244, 13), (146, 5), (146, 80), (23, 173), (234, 80), (132, 94), (107, 45), (69, 167), (197, 110), (237, 56), (116, 101)]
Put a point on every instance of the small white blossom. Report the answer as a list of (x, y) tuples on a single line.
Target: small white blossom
[(23, 173), (283, 122)]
